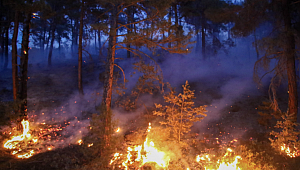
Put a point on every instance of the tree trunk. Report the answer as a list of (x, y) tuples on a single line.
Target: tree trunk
[(48, 38), (6, 47), (51, 44), (129, 31), (80, 88), (14, 60), (44, 38), (24, 66), (176, 22), (255, 44), (108, 83), (203, 38), (99, 40), (72, 39), (169, 31), (76, 32), (289, 52), (95, 40), (198, 41)]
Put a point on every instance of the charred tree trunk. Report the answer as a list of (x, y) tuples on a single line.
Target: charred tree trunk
[(289, 52), (108, 82), (24, 66), (80, 88), (51, 44), (14, 53)]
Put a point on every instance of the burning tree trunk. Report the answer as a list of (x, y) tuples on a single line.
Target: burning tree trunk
[(80, 88), (289, 52), (24, 66), (14, 61), (108, 82)]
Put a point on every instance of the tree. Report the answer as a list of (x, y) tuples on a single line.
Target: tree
[(148, 11), (197, 13), (80, 88), (6, 20), (179, 114), (279, 45), (24, 59), (14, 60)]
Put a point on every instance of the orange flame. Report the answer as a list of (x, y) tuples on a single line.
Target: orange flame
[(222, 164), (290, 152), (143, 154), (15, 141)]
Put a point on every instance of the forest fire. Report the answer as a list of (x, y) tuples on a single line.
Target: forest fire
[(142, 154), (16, 142), (39, 137), (293, 153), (222, 164)]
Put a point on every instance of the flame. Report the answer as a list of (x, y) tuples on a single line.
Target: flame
[(39, 137), (222, 164), (230, 166), (290, 152), (15, 142), (142, 154), (118, 130)]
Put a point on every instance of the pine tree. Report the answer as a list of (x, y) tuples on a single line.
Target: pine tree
[(152, 11), (279, 45), (179, 114), (287, 137)]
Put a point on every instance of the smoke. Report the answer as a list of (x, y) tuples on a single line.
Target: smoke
[(218, 82)]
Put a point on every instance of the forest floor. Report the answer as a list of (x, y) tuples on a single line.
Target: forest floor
[(53, 92)]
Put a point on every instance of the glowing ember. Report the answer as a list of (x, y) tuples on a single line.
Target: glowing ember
[(290, 152), (80, 142), (118, 130), (36, 139), (142, 154)]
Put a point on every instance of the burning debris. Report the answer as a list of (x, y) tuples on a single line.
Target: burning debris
[(291, 152), (40, 137), (17, 143), (221, 164), (140, 155)]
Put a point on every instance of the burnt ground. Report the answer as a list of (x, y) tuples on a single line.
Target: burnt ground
[(50, 88)]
